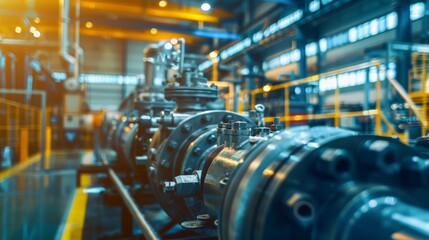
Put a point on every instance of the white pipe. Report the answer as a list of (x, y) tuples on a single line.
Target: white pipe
[(77, 48), (64, 21)]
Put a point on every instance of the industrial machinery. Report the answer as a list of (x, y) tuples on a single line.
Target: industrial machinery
[(227, 175), (301, 183), (130, 141)]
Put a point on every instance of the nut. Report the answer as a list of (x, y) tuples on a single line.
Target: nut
[(335, 163)]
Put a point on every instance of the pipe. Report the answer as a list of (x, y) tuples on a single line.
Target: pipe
[(152, 72), (78, 49), (64, 22), (182, 55), (148, 231)]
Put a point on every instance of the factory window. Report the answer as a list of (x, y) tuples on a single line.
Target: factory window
[(373, 26), (372, 74), (323, 45), (99, 78), (391, 20), (417, 11), (205, 65), (311, 49), (382, 24), (352, 35), (314, 6)]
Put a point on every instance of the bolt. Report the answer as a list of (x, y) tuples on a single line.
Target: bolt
[(188, 171), (203, 217), (206, 118), (227, 118), (168, 186), (382, 155), (187, 185), (165, 163), (300, 207), (197, 151), (211, 139), (335, 163), (172, 145), (186, 128), (240, 125), (259, 108)]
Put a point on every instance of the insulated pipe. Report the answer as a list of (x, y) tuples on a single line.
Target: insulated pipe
[(64, 22), (78, 49), (182, 55)]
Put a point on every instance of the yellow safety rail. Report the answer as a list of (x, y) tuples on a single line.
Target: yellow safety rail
[(337, 114), (417, 86), (229, 96), (20, 128)]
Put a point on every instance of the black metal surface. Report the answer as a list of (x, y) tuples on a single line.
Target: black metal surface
[(183, 152), (303, 188)]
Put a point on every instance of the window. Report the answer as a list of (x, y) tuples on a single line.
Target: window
[(391, 20)]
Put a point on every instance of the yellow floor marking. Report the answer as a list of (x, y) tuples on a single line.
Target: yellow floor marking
[(19, 167), (76, 218), (87, 159)]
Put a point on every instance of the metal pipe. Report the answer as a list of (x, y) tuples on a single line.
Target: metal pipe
[(182, 55), (78, 49), (148, 231), (153, 77), (64, 22)]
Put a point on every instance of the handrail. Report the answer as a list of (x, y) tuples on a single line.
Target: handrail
[(337, 114), (18, 104), (408, 100)]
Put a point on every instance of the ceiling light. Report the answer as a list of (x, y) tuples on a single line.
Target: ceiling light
[(18, 30), (174, 41), (168, 46), (37, 20), (153, 31), (89, 25), (205, 7), (267, 87), (162, 3), (36, 34), (32, 29), (213, 54)]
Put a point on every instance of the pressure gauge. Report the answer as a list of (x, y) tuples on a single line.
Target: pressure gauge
[(71, 84)]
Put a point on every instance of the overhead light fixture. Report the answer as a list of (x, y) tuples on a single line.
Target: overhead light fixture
[(89, 25), (168, 46), (36, 34), (153, 31), (174, 41), (213, 54), (37, 20), (18, 29), (33, 29), (205, 7), (267, 87), (162, 3)]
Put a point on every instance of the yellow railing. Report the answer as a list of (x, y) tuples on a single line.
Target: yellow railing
[(20, 128), (417, 85), (229, 96), (337, 114)]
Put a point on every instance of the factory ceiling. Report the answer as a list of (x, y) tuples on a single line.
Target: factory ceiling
[(148, 20)]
